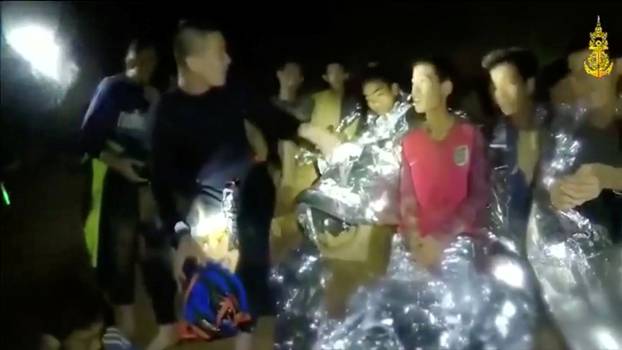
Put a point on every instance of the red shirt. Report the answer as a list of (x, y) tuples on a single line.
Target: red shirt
[(444, 184)]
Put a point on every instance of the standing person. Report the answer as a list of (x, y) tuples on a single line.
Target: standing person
[(115, 135), (289, 98), (444, 183), (201, 130), (284, 231)]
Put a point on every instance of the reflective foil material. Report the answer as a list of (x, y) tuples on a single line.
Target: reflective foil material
[(360, 179), (481, 296), (508, 211), (579, 270)]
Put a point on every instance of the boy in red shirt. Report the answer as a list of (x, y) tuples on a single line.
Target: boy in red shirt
[(444, 182)]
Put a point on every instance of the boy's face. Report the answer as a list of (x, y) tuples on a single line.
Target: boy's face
[(428, 92), (380, 96), (210, 59), (336, 76), (141, 64), (509, 88), (291, 75)]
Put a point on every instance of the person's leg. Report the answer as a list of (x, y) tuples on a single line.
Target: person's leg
[(119, 249), (160, 284), (158, 274), (256, 207), (347, 276)]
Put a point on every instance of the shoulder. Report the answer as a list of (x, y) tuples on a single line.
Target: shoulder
[(414, 136), (320, 95), (470, 133), (108, 86), (112, 82)]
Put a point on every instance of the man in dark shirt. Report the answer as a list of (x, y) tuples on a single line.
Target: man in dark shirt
[(201, 132), (115, 136)]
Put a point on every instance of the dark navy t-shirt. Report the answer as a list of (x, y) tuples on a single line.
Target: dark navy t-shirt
[(202, 138), (120, 115)]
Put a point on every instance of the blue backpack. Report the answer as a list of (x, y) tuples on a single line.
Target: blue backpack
[(215, 303)]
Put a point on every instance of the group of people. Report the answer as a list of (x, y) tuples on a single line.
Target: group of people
[(150, 154)]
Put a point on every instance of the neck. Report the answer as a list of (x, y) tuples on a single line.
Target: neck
[(338, 90), (288, 94), (191, 84), (438, 122), (523, 118), (133, 78)]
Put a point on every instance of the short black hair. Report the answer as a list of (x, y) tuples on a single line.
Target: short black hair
[(142, 43), (549, 76), (524, 60), (339, 62), (377, 73), (186, 35), (442, 66), (289, 61)]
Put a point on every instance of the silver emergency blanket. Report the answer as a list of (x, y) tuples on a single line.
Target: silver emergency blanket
[(481, 296), (314, 156), (478, 299), (359, 180), (507, 221), (578, 268)]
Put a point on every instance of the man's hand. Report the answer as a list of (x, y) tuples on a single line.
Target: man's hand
[(124, 166), (187, 248), (256, 140), (324, 140), (574, 190), (127, 168)]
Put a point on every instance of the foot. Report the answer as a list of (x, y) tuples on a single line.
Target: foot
[(125, 321), (167, 336)]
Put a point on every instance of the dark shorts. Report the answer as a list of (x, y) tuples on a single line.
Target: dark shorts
[(118, 255)]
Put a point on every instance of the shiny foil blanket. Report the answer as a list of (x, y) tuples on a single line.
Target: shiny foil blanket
[(359, 180), (479, 298), (577, 266)]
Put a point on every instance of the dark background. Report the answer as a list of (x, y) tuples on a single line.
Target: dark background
[(42, 249), (260, 36)]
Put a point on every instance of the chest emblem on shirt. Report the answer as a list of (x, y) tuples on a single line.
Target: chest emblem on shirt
[(461, 155), (134, 120)]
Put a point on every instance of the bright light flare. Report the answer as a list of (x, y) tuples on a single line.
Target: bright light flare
[(38, 46), (209, 223)]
